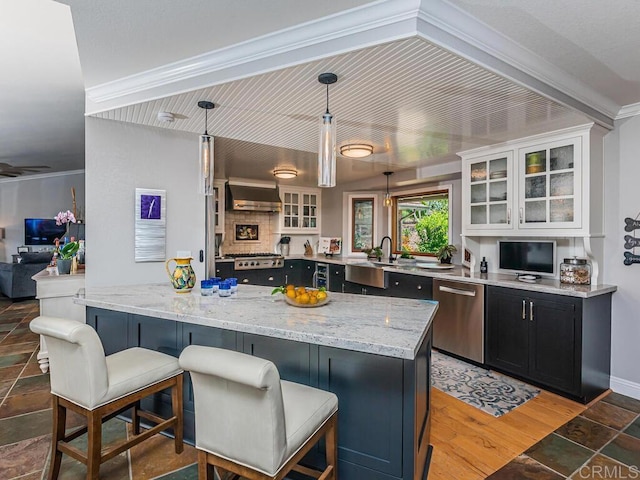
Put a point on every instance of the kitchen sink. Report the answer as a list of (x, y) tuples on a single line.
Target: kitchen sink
[(366, 273)]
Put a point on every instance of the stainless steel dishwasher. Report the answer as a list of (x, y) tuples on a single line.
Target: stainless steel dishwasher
[(459, 323)]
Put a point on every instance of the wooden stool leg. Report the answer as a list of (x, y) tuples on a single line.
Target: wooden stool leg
[(59, 422), (94, 444), (203, 467), (135, 418), (176, 404), (331, 446)]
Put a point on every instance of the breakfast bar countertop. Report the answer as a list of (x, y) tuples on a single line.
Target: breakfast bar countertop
[(393, 327)]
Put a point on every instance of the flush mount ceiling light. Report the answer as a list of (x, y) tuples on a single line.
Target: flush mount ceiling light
[(356, 150), (205, 184), (285, 172), (327, 150), (387, 197), (166, 117)]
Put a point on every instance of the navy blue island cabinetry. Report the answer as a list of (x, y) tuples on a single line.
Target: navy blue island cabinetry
[(384, 397)]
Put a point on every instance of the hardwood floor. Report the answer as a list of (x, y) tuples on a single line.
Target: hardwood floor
[(470, 444)]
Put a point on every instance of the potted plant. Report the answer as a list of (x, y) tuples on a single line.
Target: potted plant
[(445, 253), (406, 257), (375, 252), (65, 255)]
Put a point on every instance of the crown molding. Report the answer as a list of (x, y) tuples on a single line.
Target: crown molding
[(436, 21), (627, 111), (468, 37), (41, 176), (357, 28)]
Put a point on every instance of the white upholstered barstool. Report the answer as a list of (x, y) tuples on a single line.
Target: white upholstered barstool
[(99, 387), (251, 423)]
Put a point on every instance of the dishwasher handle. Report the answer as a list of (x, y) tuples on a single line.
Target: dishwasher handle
[(456, 291)]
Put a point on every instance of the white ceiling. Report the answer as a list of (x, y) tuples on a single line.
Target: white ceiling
[(415, 101)]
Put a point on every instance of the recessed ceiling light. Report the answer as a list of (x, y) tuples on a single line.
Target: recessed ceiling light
[(285, 172), (356, 150)]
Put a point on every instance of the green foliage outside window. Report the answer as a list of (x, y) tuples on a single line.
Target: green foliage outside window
[(423, 223)]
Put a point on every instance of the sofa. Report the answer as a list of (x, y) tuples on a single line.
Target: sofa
[(15, 278)]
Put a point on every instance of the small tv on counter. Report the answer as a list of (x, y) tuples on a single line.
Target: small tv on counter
[(42, 231), (536, 257)]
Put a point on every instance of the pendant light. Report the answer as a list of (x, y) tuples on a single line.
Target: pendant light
[(205, 184), (387, 197), (327, 150)]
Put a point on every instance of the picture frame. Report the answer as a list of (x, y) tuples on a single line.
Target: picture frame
[(246, 232), (466, 258), (150, 225)]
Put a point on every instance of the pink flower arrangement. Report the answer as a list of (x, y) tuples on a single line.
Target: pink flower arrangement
[(65, 217)]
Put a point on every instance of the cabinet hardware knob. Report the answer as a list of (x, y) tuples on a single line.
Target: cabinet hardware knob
[(245, 280), (271, 279), (397, 283), (419, 287)]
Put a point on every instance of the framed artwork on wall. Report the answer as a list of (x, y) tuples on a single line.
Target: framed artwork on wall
[(150, 225), (246, 232)]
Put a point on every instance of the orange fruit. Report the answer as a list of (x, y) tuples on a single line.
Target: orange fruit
[(321, 296), (291, 293), (301, 290), (304, 298), (313, 300)]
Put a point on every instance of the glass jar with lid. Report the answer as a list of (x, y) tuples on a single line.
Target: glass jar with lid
[(576, 271)]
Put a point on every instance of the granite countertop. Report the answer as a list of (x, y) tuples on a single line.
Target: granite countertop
[(461, 273), (393, 327)]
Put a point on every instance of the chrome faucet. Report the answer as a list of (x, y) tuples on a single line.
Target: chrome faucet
[(391, 257)]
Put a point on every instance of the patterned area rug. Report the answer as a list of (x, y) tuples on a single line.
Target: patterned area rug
[(489, 391)]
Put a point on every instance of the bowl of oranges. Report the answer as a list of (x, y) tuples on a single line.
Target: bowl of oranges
[(304, 297)]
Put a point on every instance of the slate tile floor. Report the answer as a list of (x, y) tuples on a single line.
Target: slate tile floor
[(602, 442), (25, 417)]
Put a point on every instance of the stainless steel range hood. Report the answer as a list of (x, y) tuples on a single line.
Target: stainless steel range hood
[(255, 199)]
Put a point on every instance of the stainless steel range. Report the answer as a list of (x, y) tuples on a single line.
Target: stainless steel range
[(254, 261)]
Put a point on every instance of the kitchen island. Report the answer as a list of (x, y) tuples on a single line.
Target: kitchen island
[(373, 353)]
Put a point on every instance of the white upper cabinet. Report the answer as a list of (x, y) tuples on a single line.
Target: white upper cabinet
[(300, 210), (547, 185), (488, 192)]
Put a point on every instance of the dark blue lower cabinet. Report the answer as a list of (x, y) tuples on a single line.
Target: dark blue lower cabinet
[(370, 393), (112, 327), (383, 417)]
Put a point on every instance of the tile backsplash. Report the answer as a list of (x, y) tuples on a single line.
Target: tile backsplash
[(266, 240)]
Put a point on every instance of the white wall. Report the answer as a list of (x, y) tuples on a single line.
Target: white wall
[(622, 199), (121, 157), (35, 196)]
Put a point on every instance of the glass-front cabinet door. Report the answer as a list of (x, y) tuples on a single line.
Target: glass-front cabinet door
[(300, 210), (549, 185), (291, 210), (489, 196)]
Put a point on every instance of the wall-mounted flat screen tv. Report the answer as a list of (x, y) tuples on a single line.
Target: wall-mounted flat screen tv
[(42, 231), (528, 256)]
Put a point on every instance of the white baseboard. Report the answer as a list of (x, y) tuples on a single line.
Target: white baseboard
[(625, 387)]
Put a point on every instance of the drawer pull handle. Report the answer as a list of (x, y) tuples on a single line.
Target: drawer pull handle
[(524, 310), (245, 280), (531, 311), (271, 279)]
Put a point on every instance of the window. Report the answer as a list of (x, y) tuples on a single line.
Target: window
[(421, 221), (362, 232)]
